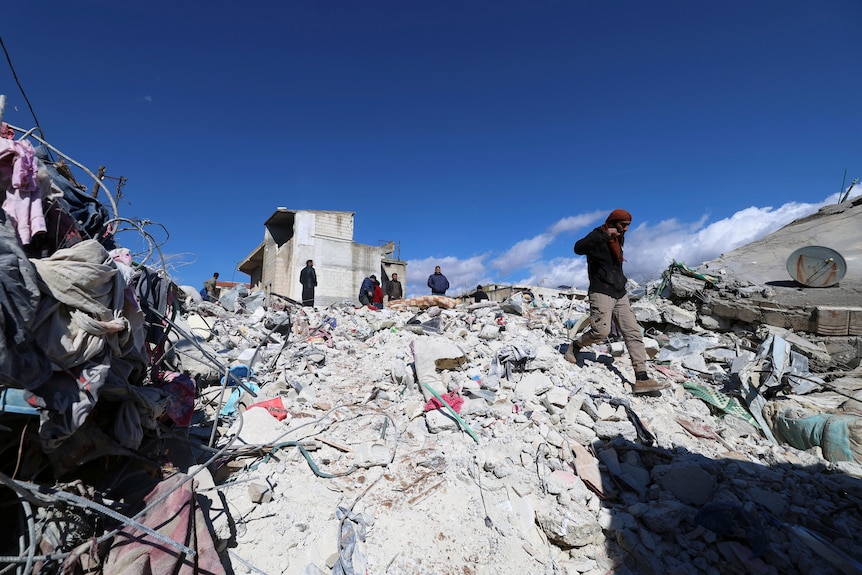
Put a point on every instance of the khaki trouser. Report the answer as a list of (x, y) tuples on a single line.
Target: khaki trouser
[(603, 309)]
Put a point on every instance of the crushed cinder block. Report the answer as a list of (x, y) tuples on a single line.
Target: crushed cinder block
[(259, 492)]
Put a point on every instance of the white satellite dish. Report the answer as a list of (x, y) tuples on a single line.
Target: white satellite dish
[(816, 266)]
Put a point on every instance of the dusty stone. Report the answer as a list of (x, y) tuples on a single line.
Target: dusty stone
[(713, 323), (646, 311), (439, 421), (259, 493), (685, 287), (371, 454), (558, 396), (606, 411), (612, 429), (635, 476), (652, 347), (580, 433), (572, 407), (533, 384), (665, 516), (688, 482), (571, 527), (679, 317), (776, 502), (614, 520)]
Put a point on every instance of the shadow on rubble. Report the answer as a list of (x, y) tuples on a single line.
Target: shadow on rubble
[(675, 511), (786, 284)]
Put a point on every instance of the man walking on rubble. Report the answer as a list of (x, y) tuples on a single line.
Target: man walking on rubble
[(308, 279), (608, 298), (210, 286)]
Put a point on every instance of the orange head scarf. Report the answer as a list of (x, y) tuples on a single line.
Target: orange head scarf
[(616, 242)]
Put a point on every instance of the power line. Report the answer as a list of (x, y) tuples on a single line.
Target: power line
[(20, 87)]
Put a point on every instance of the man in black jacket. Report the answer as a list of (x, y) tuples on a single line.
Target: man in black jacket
[(608, 298), (394, 289), (479, 294), (308, 279)]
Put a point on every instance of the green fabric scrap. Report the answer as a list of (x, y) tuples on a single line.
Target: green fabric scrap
[(720, 400), (838, 436)]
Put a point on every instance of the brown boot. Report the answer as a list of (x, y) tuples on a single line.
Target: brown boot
[(572, 352), (645, 384)]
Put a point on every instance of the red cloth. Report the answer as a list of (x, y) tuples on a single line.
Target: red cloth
[(274, 406), (377, 298), (618, 215), (178, 517), (454, 400)]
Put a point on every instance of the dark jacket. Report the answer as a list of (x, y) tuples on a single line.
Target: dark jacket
[(604, 270), (479, 295), (308, 277), (438, 284), (367, 288), (394, 290)]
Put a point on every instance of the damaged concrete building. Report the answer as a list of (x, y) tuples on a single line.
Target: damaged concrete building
[(291, 237)]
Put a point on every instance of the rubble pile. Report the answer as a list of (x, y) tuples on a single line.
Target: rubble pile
[(439, 440), (147, 431)]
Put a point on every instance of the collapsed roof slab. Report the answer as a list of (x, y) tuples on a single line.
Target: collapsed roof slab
[(787, 303)]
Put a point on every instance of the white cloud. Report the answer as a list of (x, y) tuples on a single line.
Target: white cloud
[(522, 253), (527, 252), (573, 223)]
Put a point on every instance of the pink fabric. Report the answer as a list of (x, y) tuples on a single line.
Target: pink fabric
[(178, 517), (454, 400), (122, 255), (23, 201)]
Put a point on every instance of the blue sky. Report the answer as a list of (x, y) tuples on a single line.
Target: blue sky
[(484, 137)]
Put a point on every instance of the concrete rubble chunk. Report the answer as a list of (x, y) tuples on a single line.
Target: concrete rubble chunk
[(679, 317), (689, 482), (533, 384), (259, 493), (570, 527)]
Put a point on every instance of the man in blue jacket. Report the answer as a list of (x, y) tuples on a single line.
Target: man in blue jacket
[(366, 290), (609, 300), (438, 282)]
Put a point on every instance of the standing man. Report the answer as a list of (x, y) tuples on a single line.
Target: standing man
[(438, 282), (608, 298), (210, 286), (393, 290), (366, 290), (308, 279)]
